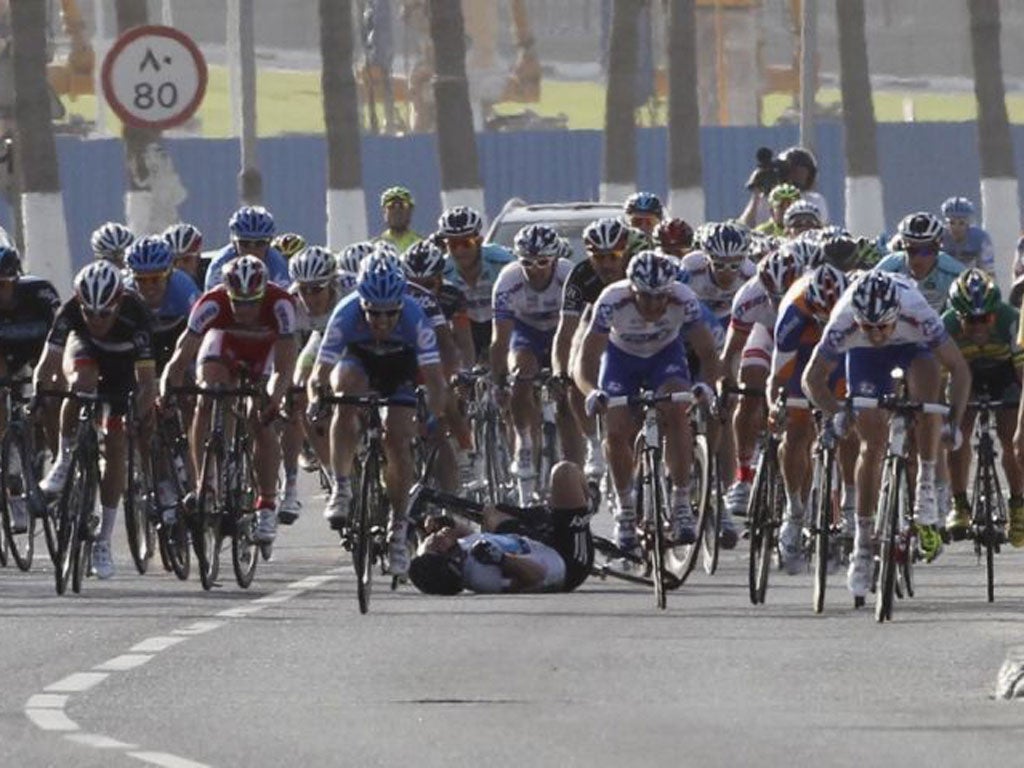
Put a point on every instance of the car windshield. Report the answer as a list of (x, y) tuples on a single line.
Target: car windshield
[(573, 230)]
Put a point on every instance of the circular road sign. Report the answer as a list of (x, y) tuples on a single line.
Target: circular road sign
[(154, 77)]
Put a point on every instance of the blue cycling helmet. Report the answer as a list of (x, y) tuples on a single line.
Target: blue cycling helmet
[(651, 272), (726, 241), (252, 222), (536, 241), (643, 202), (381, 280), (149, 254), (957, 208)]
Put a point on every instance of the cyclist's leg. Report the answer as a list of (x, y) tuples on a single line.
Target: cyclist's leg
[(593, 465), (81, 371), (959, 474), (924, 382), (214, 369), (524, 353), (668, 372), (571, 522), (621, 374), (347, 378), (795, 462)]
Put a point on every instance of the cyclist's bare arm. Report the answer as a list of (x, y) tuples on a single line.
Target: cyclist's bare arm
[(950, 357), (589, 361), (184, 355), (500, 337), (815, 382), (562, 346), (524, 572), (730, 359), (285, 352), (48, 367), (437, 392), (703, 344)]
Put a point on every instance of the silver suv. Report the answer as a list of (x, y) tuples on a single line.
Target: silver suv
[(569, 219)]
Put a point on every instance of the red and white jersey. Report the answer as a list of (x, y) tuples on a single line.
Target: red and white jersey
[(752, 305), (276, 320)]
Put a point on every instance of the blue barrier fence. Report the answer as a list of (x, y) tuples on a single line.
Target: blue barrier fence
[(922, 164)]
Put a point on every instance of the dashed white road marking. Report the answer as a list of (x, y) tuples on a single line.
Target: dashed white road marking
[(124, 662), (47, 710)]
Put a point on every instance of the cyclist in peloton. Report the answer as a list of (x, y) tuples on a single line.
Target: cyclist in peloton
[(110, 241), (609, 244), (882, 322), (527, 295), (102, 339), (252, 228), (186, 244), (801, 216), (985, 328), (965, 242), (715, 273), (779, 199), (534, 549), (674, 237), (28, 305), (643, 211), (921, 258), (634, 342), (802, 314), (351, 257), (378, 340), (288, 244), (245, 325), (423, 264), (317, 287), (748, 346), (472, 267), (396, 204)]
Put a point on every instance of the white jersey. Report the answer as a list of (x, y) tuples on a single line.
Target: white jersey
[(344, 284), (615, 314), (696, 273), (515, 299), (918, 323), (751, 305), (481, 577)]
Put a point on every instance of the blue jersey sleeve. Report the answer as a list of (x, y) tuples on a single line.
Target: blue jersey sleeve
[(181, 294)]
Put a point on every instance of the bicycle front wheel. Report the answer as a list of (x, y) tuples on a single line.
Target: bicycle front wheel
[(823, 515), (67, 523), (137, 499), (761, 514), (206, 533), (889, 509), (244, 549), (710, 522), (363, 548), (13, 492)]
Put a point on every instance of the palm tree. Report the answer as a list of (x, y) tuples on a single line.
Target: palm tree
[(138, 199), (686, 191), (999, 185), (864, 209), (456, 140), (42, 206), (346, 202), (618, 177)]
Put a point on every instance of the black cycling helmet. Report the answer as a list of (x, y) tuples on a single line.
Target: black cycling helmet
[(435, 574), (10, 261)]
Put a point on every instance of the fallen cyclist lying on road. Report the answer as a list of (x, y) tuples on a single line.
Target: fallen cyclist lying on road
[(520, 549)]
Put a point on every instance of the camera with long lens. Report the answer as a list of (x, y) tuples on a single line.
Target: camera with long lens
[(769, 172)]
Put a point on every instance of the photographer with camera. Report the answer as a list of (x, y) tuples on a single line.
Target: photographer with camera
[(795, 166)]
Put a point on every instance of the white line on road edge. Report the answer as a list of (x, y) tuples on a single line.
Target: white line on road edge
[(46, 710)]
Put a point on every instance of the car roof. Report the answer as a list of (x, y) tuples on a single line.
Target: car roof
[(559, 211)]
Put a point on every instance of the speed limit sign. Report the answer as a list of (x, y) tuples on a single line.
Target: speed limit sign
[(154, 77)]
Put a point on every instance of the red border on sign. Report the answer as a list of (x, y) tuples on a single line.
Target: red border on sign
[(158, 31)]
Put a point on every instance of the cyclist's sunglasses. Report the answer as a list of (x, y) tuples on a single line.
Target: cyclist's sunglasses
[(313, 287), (372, 313), (463, 241), (150, 278), (98, 314), (639, 222), (979, 319), (923, 250), (606, 255), (876, 327), (728, 266), (247, 302), (261, 243), (536, 263)]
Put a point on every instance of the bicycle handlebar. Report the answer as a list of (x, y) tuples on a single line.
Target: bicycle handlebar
[(887, 404), (216, 392), (650, 399), (366, 401)]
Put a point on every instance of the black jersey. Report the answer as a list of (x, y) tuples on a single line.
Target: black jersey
[(25, 324), (582, 287), (131, 335), (452, 300)]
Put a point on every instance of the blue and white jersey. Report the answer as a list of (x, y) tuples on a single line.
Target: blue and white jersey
[(277, 267), (615, 314), (178, 299), (975, 251), (935, 285), (515, 299), (918, 322), (695, 271), (493, 258), (348, 328)]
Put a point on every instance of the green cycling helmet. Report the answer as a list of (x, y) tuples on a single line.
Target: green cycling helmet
[(783, 192), (395, 195), (974, 294)]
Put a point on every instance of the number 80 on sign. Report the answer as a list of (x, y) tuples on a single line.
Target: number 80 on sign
[(154, 77)]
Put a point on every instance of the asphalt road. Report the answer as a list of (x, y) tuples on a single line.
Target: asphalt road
[(151, 670)]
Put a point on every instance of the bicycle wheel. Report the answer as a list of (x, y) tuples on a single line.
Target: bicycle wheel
[(67, 523), (889, 509), (497, 468), (823, 513), (81, 545), (14, 491), (654, 522), (761, 513), (138, 497), (710, 524), (206, 533), (244, 550), (772, 521), (362, 549), (987, 512), (174, 544)]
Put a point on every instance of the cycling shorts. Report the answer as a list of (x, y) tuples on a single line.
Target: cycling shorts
[(307, 357), (624, 374), (536, 341), (869, 369), (757, 351), (567, 532), (391, 375), (116, 372), (996, 381), (219, 346), (788, 368), (481, 332)]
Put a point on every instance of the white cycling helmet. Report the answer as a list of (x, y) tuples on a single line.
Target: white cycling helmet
[(799, 210), (353, 255), (313, 264), (920, 227), (98, 286), (605, 234)]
